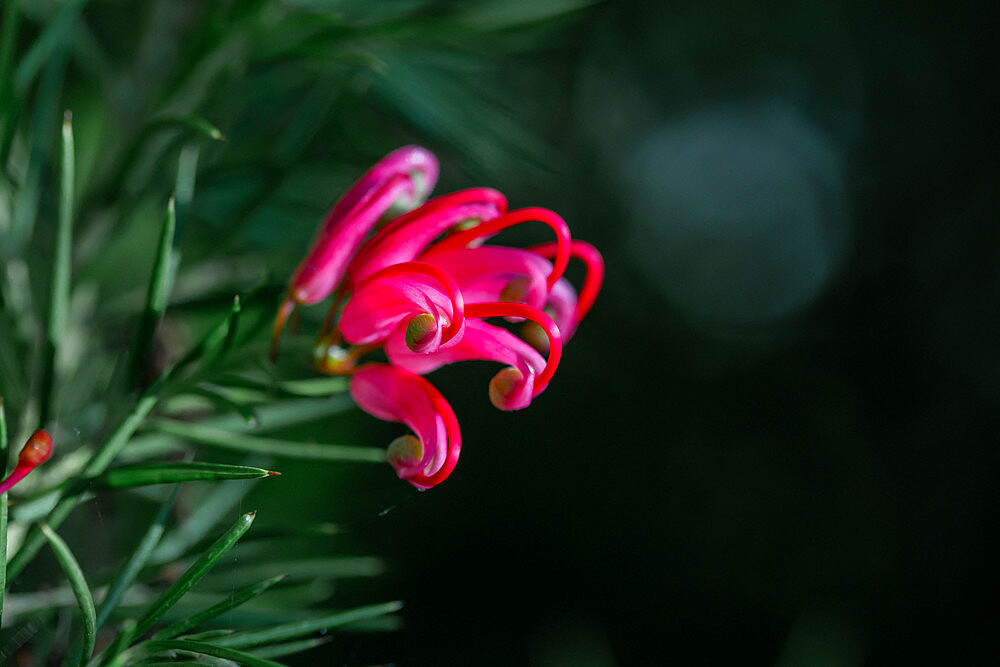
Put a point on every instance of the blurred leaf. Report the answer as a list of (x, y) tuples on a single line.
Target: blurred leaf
[(4, 464), (130, 569), (100, 460), (191, 576), (292, 630), (168, 473), (289, 648), (223, 400), (341, 567), (80, 589), (503, 14), (212, 437), (46, 109), (235, 600), (52, 39), (161, 646), (156, 296), (62, 260)]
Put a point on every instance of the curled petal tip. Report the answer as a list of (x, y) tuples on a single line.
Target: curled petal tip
[(510, 390), (405, 454), (423, 333)]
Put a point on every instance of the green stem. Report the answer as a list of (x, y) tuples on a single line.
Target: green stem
[(61, 265), (3, 506)]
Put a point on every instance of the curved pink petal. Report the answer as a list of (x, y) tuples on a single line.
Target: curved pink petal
[(476, 235), (405, 237), (402, 178), (423, 295), (511, 389), (561, 305), (592, 281), (488, 274), (393, 394)]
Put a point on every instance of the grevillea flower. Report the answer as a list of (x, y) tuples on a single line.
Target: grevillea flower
[(421, 289), (35, 452), (399, 181)]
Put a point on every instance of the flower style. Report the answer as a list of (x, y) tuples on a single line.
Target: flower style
[(35, 452), (421, 289)]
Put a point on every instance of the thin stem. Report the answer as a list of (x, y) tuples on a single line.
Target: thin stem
[(3, 506), (61, 263)]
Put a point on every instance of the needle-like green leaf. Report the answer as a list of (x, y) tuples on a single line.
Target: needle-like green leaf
[(289, 648), (61, 264), (53, 37), (107, 452), (299, 628), (44, 118), (156, 295), (235, 600), (171, 472), (131, 568), (216, 651), (3, 505), (212, 437), (80, 589), (191, 576)]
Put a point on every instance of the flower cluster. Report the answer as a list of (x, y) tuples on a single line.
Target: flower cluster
[(421, 288)]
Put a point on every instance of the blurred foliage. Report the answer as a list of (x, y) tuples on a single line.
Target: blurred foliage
[(250, 118)]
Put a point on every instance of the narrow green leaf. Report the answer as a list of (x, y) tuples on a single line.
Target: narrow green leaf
[(131, 568), (98, 463), (44, 119), (61, 264), (273, 416), (118, 644), (212, 437), (311, 388), (107, 452), (289, 648), (52, 39), (215, 650), (8, 100), (215, 343), (236, 600), (206, 636), (308, 569), (79, 585), (8, 40), (223, 399), (297, 629), (194, 123), (191, 576), (156, 295), (187, 171), (170, 472), (209, 511), (4, 455)]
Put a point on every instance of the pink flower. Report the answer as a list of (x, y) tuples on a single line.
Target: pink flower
[(394, 394), (35, 452), (401, 179), (421, 289)]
